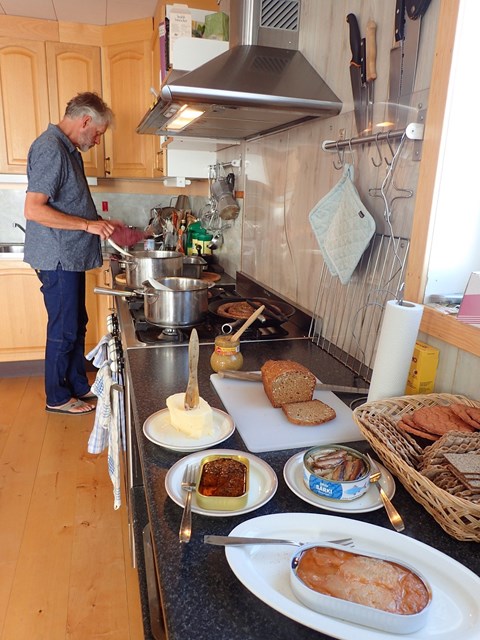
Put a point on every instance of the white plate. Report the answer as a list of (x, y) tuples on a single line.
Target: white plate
[(159, 430), (293, 474), (263, 482), (264, 570)]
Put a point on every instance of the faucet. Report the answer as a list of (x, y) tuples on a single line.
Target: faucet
[(16, 224)]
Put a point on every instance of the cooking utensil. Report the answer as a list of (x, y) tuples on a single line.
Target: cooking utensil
[(157, 285), (142, 265), (192, 396), (254, 376), (230, 541), (248, 322), (393, 515), (188, 485), (371, 69), (282, 310), (358, 90), (183, 304), (119, 249)]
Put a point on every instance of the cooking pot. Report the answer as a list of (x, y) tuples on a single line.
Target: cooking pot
[(193, 266), (151, 264), (185, 304), (275, 313)]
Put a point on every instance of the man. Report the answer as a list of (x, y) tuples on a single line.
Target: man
[(63, 240)]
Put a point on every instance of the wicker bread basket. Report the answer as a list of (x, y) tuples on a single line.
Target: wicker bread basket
[(403, 455)]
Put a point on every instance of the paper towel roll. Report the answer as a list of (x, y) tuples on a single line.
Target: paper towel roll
[(398, 336)]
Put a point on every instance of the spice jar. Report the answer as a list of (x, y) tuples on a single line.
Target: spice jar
[(226, 354)]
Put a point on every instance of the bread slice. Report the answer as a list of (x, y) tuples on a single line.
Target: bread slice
[(307, 413), (287, 381)]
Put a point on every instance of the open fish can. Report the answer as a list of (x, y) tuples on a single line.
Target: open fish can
[(336, 472)]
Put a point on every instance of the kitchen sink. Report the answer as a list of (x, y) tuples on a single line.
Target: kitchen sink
[(11, 248)]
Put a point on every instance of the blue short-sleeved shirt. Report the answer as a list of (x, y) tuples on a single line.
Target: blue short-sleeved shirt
[(55, 168)]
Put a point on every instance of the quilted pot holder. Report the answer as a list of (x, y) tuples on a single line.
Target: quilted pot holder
[(343, 227), (322, 215)]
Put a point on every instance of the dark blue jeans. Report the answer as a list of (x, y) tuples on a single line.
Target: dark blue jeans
[(65, 372)]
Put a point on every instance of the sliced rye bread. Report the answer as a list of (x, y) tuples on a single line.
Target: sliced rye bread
[(308, 413)]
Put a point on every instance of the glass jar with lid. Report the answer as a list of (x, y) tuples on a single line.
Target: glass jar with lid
[(226, 355)]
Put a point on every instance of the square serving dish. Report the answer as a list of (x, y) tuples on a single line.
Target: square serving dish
[(223, 502)]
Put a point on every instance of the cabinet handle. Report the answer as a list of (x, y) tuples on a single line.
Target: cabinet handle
[(107, 166), (106, 279), (159, 161)]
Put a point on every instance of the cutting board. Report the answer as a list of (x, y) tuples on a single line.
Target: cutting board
[(264, 428)]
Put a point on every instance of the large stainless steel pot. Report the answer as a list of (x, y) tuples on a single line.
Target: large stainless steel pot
[(151, 264), (184, 305)]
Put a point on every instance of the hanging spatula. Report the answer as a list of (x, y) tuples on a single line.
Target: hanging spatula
[(192, 396)]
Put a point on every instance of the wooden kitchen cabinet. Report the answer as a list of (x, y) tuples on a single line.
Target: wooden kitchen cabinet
[(127, 74), (72, 69), (23, 334), (24, 110)]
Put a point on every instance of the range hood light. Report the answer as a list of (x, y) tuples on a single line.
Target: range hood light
[(184, 117)]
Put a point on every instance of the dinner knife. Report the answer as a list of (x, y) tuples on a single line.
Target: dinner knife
[(356, 71), (255, 376)]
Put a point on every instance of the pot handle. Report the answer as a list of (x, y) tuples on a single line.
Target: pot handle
[(114, 292)]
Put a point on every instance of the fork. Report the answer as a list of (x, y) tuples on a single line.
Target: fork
[(227, 541), (393, 515), (188, 485)]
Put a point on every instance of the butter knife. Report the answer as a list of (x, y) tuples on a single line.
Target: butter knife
[(254, 376), (192, 395), (228, 541)]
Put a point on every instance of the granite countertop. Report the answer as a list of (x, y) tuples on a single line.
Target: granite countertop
[(201, 597)]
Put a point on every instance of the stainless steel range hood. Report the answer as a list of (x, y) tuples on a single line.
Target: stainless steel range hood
[(261, 84)]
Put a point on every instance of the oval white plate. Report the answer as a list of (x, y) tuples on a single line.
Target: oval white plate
[(263, 482), (159, 430), (264, 570), (370, 501)]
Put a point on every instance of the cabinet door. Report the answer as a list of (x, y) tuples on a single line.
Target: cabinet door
[(72, 69), (24, 319), (98, 306), (127, 81), (24, 110), (159, 167)]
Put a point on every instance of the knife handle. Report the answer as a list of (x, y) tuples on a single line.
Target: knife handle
[(354, 39), (371, 38), (399, 20)]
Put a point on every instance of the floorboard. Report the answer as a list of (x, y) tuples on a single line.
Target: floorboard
[(65, 564)]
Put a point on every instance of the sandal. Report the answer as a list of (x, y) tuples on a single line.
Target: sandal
[(72, 407), (88, 396)]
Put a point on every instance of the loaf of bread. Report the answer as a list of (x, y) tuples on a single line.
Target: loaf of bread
[(286, 381), (308, 413)]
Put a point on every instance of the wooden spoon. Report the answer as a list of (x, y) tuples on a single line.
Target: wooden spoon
[(192, 395), (247, 323)]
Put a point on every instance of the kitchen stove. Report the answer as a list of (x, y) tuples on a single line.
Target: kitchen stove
[(151, 334)]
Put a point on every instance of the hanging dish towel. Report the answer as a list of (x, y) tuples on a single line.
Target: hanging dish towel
[(343, 227)]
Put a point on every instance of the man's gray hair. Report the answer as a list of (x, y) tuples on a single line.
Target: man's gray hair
[(90, 104)]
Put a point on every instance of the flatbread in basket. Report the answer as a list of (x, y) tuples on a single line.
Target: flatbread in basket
[(422, 467)]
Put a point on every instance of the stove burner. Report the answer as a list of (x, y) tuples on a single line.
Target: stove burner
[(171, 335)]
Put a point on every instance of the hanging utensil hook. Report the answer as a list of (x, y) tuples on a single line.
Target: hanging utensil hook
[(341, 158), (391, 149), (379, 153)]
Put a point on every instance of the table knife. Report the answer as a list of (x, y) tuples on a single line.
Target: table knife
[(254, 376)]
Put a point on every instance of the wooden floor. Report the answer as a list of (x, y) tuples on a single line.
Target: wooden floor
[(65, 569)]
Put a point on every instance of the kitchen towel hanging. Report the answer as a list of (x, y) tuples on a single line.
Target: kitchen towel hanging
[(342, 226), (398, 335)]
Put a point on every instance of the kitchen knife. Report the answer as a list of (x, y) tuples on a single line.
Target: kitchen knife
[(356, 72), (255, 376), (371, 69)]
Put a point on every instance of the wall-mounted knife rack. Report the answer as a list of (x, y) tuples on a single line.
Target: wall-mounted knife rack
[(413, 131)]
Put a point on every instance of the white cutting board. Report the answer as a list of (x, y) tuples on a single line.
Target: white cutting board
[(264, 428)]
